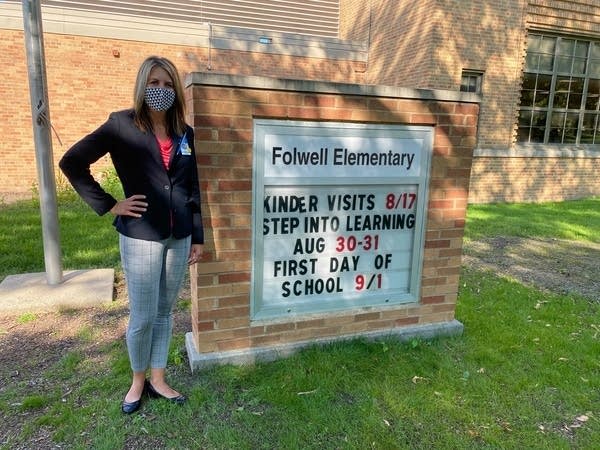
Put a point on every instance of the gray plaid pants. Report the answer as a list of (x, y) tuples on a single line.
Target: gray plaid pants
[(154, 271)]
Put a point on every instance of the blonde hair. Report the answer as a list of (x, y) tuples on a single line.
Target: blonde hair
[(175, 114)]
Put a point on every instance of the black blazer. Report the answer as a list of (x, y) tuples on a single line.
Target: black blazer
[(173, 196)]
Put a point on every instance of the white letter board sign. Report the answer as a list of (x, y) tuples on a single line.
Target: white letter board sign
[(339, 215)]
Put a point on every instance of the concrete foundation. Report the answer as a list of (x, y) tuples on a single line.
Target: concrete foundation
[(79, 289), (199, 361)]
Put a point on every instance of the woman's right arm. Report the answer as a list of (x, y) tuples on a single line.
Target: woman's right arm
[(76, 163)]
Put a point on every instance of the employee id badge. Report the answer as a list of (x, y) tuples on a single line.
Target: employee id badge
[(184, 147)]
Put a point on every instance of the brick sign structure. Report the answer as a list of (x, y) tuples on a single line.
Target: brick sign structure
[(331, 211)]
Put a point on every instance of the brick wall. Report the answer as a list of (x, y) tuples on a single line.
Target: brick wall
[(427, 44), (401, 43), (86, 82), (412, 44), (17, 156), (549, 174), (354, 20), (223, 121), (532, 179), (579, 17), (492, 40)]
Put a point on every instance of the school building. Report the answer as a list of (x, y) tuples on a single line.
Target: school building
[(534, 63)]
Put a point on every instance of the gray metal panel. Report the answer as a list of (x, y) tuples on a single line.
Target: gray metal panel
[(313, 17), (181, 26)]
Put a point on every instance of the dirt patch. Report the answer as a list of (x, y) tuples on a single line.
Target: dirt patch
[(553, 265)]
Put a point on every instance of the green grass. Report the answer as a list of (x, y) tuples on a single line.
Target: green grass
[(87, 240), (525, 374), (26, 317), (575, 220)]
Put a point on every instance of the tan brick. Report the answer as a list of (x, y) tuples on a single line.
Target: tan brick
[(367, 316), (412, 320), (279, 327), (314, 323), (338, 320), (235, 301), (233, 344), (237, 322), (227, 313), (265, 340)]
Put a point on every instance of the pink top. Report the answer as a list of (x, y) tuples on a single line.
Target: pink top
[(166, 147)]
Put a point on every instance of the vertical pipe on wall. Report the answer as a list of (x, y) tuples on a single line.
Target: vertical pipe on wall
[(210, 31), (40, 115)]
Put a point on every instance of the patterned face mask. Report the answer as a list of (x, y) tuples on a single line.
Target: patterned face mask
[(159, 99)]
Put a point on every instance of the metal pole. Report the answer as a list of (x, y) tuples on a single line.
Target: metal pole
[(40, 114)]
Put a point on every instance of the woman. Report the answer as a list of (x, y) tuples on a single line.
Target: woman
[(159, 221)]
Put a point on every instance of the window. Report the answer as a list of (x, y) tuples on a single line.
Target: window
[(471, 81), (560, 95)]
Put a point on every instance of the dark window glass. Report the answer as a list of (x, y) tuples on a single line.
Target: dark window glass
[(542, 92), (566, 47), (525, 118), (595, 68), (560, 99), (537, 134), (523, 134), (528, 89), (563, 64), (593, 95), (538, 128), (575, 93), (589, 130), (471, 82)]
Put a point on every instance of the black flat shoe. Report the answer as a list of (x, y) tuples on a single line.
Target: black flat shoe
[(179, 400), (131, 407)]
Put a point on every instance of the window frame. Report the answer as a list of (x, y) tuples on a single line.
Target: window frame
[(477, 75), (531, 77)]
